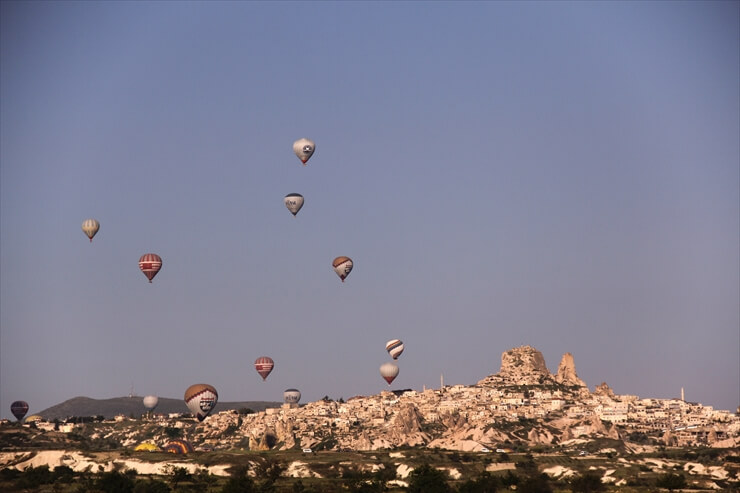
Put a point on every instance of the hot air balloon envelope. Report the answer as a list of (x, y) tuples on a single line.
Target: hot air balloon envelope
[(90, 227), (151, 401), (394, 348), (389, 371), (19, 409), (264, 366), (150, 263), (201, 398), (304, 149), (146, 447), (342, 266), (294, 202), (178, 446), (292, 396)]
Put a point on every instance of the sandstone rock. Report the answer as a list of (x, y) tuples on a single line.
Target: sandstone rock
[(567, 372), (604, 390), (524, 360)]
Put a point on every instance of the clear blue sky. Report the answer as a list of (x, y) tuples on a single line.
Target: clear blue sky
[(562, 175)]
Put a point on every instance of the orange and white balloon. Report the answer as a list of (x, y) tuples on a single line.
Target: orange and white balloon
[(201, 398), (342, 266)]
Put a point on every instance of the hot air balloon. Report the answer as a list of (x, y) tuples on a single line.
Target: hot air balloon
[(178, 446), (150, 263), (294, 202), (201, 398), (19, 409), (304, 149), (292, 396), (342, 266), (389, 371), (150, 402), (147, 447), (264, 366), (90, 227), (394, 348)]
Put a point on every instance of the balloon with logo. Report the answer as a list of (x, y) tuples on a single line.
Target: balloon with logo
[(394, 348), (389, 371), (19, 409), (291, 396), (342, 266), (201, 398), (294, 202), (264, 366), (150, 263), (90, 227), (304, 149)]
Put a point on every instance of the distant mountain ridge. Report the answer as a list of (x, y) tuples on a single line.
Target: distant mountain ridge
[(109, 408)]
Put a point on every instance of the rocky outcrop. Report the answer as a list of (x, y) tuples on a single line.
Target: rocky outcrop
[(524, 366), (567, 372), (604, 390), (405, 427)]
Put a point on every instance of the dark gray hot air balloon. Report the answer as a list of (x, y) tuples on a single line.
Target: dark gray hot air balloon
[(19, 409)]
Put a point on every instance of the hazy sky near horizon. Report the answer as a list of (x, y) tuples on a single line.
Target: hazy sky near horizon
[(564, 175)]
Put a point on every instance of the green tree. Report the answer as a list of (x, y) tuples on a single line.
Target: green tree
[(589, 482), (178, 475), (33, 477), (63, 474), (427, 479), (204, 479)]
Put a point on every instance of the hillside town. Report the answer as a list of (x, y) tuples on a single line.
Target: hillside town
[(521, 410), (523, 405)]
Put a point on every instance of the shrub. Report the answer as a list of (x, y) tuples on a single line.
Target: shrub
[(590, 482), (485, 483), (427, 479), (115, 482), (671, 481)]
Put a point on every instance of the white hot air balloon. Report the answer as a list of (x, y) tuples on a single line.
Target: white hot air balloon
[(389, 371), (292, 396), (294, 202), (304, 149), (90, 227), (150, 402), (394, 348)]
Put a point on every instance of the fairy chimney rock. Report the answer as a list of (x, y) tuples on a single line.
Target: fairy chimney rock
[(567, 372)]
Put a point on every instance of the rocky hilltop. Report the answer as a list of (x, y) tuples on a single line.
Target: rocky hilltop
[(525, 365)]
